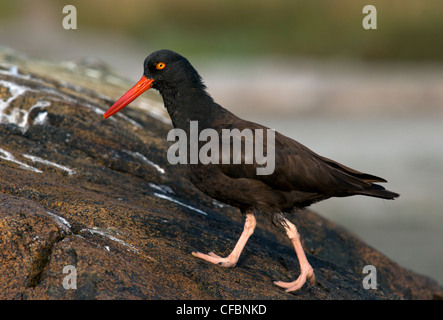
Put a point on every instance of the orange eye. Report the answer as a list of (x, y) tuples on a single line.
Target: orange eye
[(160, 66)]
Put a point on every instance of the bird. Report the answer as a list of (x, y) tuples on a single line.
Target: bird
[(300, 177)]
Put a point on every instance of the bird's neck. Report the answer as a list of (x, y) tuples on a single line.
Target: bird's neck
[(192, 104)]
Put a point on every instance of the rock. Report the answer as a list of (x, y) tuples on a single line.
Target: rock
[(99, 197)]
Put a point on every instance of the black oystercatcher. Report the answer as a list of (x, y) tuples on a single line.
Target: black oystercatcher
[(301, 177)]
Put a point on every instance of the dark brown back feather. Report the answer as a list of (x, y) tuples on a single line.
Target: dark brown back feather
[(297, 168)]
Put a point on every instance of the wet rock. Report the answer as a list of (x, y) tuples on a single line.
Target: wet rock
[(99, 196)]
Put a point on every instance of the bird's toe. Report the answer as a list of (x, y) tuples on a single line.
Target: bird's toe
[(212, 254), (297, 284), (215, 259)]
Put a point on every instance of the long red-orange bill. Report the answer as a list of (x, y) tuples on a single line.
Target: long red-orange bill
[(140, 87)]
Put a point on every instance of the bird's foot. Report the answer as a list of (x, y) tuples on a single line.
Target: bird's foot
[(307, 273), (227, 262)]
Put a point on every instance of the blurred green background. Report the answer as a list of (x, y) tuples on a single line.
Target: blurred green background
[(370, 99), (407, 29)]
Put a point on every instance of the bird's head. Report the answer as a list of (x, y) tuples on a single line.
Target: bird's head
[(164, 70)]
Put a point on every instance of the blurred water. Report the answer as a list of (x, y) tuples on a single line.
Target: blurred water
[(406, 152)]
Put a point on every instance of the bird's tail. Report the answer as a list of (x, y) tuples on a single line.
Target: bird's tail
[(378, 191), (356, 182)]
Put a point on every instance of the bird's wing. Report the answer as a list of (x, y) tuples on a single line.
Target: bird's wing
[(296, 167)]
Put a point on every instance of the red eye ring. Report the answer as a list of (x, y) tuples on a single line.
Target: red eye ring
[(160, 66)]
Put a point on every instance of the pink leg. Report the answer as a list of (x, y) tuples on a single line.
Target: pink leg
[(306, 271), (231, 260)]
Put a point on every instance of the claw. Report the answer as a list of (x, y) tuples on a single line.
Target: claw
[(306, 271), (227, 262), (231, 260), (297, 284)]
